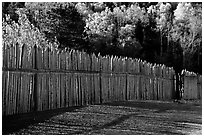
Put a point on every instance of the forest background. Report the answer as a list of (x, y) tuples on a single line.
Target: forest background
[(158, 32)]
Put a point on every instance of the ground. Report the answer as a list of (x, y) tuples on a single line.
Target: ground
[(115, 118)]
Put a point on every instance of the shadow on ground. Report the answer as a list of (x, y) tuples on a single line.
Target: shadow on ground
[(115, 118), (13, 123), (161, 106)]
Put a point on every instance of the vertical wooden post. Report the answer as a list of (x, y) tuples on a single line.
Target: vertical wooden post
[(100, 80), (177, 95), (35, 79)]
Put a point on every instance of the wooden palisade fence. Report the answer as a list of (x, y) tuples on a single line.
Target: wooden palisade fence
[(36, 79), (192, 85)]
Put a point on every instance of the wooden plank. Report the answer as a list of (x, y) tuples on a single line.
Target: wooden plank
[(45, 58), (37, 97), (4, 80), (150, 89), (79, 90), (88, 80), (11, 93), (26, 92), (128, 88), (24, 63), (8, 57), (92, 88), (58, 90), (83, 81), (42, 89), (97, 89), (53, 60), (42, 59), (52, 77), (148, 86), (12, 57), (67, 84), (76, 86), (7, 93), (119, 88), (48, 87), (89, 88), (15, 91), (55, 90), (110, 84), (114, 87), (117, 85), (21, 93), (33, 57), (85, 90), (131, 89), (18, 92), (153, 89), (8, 54), (71, 92), (106, 87), (68, 89), (102, 88), (40, 92), (46, 90), (17, 56), (62, 88), (49, 90), (123, 88), (29, 92), (156, 88)]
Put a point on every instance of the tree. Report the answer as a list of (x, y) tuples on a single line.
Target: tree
[(23, 33), (10, 8), (164, 24), (118, 27), (187, 30), (59, 21)]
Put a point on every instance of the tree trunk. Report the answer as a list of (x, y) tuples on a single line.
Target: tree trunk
[(161, 50)]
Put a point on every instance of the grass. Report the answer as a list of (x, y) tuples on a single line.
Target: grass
[(115, 118)]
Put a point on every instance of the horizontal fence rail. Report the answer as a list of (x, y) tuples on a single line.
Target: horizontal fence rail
[(37, 79)]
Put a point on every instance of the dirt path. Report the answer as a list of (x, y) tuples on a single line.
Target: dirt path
[(130, 117)]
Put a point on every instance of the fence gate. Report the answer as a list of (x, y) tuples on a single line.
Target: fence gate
[(191, 85)]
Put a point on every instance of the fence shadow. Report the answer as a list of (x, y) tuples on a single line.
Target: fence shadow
[(160, 106), (13, 123)]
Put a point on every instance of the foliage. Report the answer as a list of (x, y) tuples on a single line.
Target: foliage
[(58, 20), (187, 30), (23, 33)]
